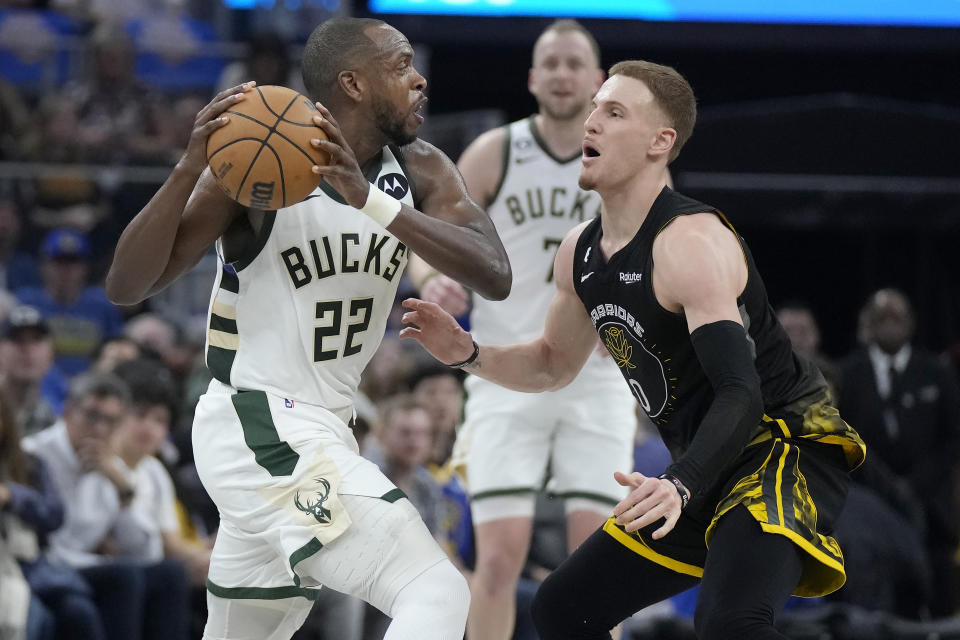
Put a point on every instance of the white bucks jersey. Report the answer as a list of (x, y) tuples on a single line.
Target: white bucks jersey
[(302, 315), (537, 203)]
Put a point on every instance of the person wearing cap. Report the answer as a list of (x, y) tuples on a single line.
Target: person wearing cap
[(79, 316), (30, 383)]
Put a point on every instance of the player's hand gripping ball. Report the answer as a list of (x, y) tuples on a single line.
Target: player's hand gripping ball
[(262, 157)]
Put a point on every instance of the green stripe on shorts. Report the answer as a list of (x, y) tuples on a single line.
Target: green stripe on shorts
[(220, 362), (302, 554), (393, 495), (262, 593), (260, 433)]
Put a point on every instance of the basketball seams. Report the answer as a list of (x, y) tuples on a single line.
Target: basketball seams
[(256, 176), (270, 131)]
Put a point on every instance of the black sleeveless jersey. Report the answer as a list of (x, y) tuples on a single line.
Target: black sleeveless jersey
[(652, 346)]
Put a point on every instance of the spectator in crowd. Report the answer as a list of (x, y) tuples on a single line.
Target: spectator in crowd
[(29, 510), (266, 62), (113, 352), (30, 384), (405, 436), (798, 321), (80, 316), (17, 268), (906, 404), (439, 390), (104, 537), (18, 131), (110, 116), (154, 406)]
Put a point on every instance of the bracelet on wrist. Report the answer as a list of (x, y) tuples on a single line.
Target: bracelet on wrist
[(682, 490), (473, 356), (427, 278)]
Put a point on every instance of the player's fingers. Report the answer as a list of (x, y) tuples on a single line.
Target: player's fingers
[(410, 332), (667, 526), (327, 115), (648, 514), (217, 107), (330, 128), (632, 480), (213, 125), (240, 88), (412, 303)]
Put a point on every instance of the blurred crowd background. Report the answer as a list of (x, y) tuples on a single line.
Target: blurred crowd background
[(834, 150)]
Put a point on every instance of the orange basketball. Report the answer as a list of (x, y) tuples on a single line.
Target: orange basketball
[(263, 157)]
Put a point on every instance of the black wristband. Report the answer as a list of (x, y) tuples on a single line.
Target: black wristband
[(473, 356), (684, 498)]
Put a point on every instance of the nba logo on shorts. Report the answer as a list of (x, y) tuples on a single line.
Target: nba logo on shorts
[(288, 403)]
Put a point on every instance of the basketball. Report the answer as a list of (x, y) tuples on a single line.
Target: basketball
[(262, 157)]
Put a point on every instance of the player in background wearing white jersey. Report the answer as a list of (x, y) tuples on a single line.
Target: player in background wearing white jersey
[(525, 175), (299, 307)]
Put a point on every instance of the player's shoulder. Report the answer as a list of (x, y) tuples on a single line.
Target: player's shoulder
[(489, 144)]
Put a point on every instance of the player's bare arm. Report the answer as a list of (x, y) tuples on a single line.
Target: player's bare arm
[(547, 363), (186, 215), (481, 166), (450, 231), (703, 271), (700, 271)]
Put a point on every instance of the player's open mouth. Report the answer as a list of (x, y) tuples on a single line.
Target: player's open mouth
[(590, 152), (418, 110)]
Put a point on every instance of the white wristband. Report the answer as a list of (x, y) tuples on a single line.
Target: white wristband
[(381, 207)]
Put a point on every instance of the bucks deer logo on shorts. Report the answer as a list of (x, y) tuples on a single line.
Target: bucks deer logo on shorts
[(314, 505)]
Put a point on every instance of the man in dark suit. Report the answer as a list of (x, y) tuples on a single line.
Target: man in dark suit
[(906, 405)]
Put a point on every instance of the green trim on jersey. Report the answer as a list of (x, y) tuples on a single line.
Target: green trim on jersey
[(220, 362), (219, 323), (262, 593), (543, 145), (510, 491), (393, 495), (229, 280), (302, 554), (505, 164), (398, 154), (248, 256), (260, 433), (370, 174), (587, 495)]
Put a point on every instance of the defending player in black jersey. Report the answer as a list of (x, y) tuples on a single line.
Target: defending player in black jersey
[(761, 459)]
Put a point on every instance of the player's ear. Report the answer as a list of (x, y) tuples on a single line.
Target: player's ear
[(663, 141), (352, 84)]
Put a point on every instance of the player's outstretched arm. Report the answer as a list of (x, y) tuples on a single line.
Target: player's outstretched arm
[(549, 362), (163, 241)]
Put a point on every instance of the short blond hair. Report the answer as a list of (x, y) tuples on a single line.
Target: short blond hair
[(672, 93)]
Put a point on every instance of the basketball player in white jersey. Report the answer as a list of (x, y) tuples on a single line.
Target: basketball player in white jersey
[(525, 174), (298, 308)]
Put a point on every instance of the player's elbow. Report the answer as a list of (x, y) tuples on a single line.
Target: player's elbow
[(121, 293), (498, 282)]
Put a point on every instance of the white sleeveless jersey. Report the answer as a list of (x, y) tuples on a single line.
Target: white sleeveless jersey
[(302, 315), (536, 204)]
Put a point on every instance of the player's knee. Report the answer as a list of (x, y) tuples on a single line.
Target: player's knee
[(498, 568), (730, 622), (441, 590)]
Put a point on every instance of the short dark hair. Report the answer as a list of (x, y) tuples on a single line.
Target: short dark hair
[(334, 46), (566, 25), (97, 384), (151, 384), (672, 92)]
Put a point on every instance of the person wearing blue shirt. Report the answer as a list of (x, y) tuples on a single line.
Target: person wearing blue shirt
[(79, 316)]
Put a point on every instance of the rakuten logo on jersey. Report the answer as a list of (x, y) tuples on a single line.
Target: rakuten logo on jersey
[(630, 278)]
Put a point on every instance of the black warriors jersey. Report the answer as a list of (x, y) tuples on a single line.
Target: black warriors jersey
[(652, 346)]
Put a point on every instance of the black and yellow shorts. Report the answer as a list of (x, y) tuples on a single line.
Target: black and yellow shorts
[(792, 486)]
